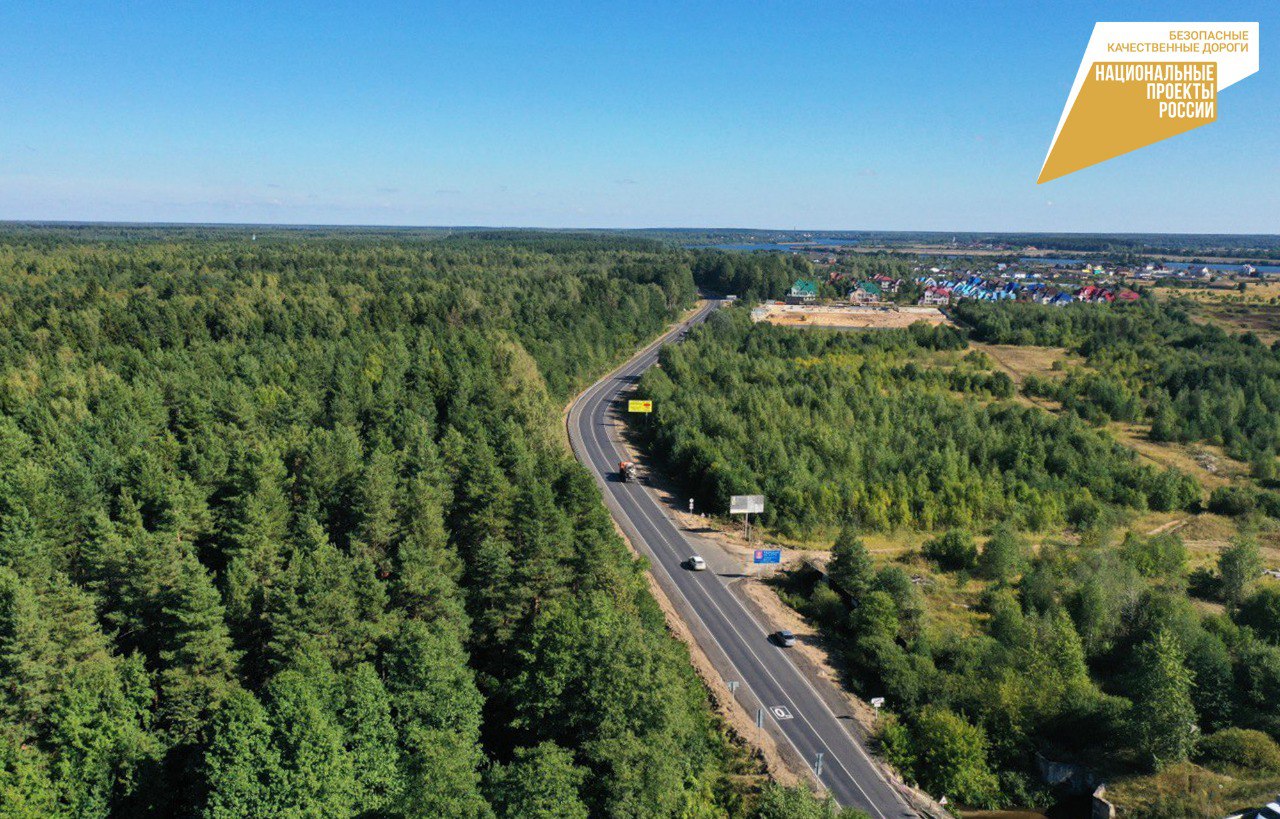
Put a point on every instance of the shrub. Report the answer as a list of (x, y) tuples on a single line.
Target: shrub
[(1261, 612), (954, 551), (951, 757), (1155, 556), (895, 744), (1004, 556), (777, 802), (1239, 749), (1233, 500), (825, 605), (1238, 566)]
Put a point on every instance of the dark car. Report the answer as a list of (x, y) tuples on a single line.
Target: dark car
[(785, 638)]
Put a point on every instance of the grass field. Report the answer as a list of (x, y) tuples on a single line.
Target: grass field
[(1263, 320), (1019, 362), (1190, 790), (1208, 464), (1265, 292), (1257, 309)]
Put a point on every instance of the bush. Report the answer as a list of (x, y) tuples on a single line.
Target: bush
[(1233, 500), (777, 802), (1238, 566), (895, 744), (951, 757), (826, 606), (954, 551), (1239, 749), (1004, 556), (1156, 556), (1261, 612), (1203, 583)]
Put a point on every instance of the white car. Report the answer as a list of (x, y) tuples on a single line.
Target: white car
[(697, 564)]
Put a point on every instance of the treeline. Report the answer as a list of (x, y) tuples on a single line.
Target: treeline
[(857, 427), (760, 276), (1151, 363), (754, 276), (1093, 655), (286, 529)]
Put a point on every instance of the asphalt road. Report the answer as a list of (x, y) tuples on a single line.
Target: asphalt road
[(725, 629)]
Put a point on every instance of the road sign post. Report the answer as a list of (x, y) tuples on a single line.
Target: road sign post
[(746, 505), (761, 556)]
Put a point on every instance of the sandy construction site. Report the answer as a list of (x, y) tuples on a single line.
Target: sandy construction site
[(849, 317)]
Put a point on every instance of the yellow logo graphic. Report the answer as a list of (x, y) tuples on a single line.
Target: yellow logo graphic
[(1168, 85)]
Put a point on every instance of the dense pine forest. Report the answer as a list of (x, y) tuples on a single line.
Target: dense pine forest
[(1028, 624), (288, 529)]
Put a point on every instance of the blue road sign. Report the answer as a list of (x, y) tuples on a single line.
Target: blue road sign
[(768, 556)]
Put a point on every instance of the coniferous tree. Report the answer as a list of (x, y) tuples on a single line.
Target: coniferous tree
[(851, 569), (371, 742), (200, 663), (1164, 716)]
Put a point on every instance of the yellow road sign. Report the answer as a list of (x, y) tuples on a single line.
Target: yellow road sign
[(639, 406)]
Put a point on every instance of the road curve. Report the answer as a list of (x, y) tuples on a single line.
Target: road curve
[(725, 629)]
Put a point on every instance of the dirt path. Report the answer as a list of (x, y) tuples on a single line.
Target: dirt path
[(1171, 526)]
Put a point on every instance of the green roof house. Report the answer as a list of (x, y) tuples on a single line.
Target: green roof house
[(802, 292), (866, 292)]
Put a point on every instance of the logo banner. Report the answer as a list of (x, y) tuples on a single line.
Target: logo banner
[(1140, 83)]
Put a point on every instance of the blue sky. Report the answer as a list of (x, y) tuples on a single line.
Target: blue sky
[(842, 115)]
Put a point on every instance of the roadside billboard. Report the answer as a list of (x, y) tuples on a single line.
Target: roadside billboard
[(746, 504)]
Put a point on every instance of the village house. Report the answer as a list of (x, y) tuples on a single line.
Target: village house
[(888, 284), (867, 292), (803, 291), (935, 296)]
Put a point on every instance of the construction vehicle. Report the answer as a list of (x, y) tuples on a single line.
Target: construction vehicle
[(626, 471)]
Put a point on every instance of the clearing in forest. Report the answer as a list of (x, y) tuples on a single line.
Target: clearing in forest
[(846, 317)]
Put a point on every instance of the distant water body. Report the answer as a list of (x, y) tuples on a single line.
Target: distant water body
[(787, 246), (820, 243), (1233, 268)]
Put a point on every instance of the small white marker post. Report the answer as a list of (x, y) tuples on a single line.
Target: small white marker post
[(691, 506)]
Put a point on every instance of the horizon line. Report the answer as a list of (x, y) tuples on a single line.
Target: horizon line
[(374, 226)]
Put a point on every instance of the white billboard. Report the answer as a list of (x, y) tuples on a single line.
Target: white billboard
[(746, 504)]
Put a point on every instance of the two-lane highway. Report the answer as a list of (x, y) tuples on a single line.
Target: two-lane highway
[(721, 624)]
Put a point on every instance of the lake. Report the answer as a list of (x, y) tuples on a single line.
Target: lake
[(1232, 268), (809, 244), (813, 244)]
